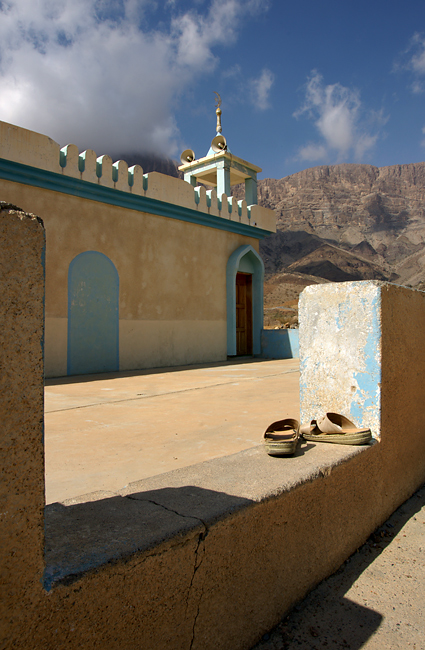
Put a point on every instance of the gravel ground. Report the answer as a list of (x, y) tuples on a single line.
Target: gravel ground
[(374, 601)]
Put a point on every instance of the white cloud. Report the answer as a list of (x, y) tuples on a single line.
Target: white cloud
[(418, 59), (233, 72), (413, 60), (313, 152), (260, 89), (340, 120), (98, 73), (363, 144)]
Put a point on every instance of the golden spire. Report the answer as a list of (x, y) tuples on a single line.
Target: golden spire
[(218, 111)]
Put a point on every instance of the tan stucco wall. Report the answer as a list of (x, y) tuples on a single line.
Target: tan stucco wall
[(55, 349), (172, 304), (146, 344)]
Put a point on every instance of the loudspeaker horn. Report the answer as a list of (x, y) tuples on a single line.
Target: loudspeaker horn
[(187, 156), (219, 144)]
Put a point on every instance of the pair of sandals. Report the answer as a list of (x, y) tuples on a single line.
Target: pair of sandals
[(281, 438)]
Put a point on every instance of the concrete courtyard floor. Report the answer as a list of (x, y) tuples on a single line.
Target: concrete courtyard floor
[(105, 431)]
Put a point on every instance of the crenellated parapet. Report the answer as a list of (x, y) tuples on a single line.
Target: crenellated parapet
[(36, 150)]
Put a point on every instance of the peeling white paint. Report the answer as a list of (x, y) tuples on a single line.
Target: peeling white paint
[(340, 351)]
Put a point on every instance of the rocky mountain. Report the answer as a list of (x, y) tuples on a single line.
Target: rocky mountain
[(365, 221), (346, 222)]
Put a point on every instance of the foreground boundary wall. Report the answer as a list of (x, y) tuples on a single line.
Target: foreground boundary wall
[(22, 247), (207, 557)]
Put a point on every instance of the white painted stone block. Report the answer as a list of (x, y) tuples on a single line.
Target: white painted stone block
[(340, 352)]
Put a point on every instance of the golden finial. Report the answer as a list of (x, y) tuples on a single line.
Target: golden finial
[(218, 111)]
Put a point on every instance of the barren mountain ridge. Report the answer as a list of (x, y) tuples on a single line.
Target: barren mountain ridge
[(344, 222)]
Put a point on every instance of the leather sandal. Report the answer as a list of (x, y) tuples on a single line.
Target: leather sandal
[(281, 437), (336, 428)]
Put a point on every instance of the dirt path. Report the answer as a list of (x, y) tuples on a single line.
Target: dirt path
[(375, 601)]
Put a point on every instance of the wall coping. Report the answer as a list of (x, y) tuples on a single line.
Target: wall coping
[(20, 173), (35, 159), (89, 531)]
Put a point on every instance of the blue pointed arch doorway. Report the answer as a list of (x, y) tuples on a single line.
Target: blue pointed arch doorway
[(93, 314), (244, 261)]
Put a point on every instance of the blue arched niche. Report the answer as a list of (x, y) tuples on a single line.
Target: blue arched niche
[(247, 260), (93, 325)]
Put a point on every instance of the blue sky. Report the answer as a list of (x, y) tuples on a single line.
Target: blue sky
[(302, 84)]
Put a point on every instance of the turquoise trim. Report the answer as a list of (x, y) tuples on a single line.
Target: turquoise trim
[(19, 173), (246, 265), (235, 263)]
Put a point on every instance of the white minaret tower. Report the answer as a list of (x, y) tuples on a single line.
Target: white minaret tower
[(220, 168)]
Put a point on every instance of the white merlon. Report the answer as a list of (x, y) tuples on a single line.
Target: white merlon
[(120, 175), (69, 161), (212, 202), (136, 180), (104, 171), (243, 211), (87, 166), (201, 198), (38, 150)]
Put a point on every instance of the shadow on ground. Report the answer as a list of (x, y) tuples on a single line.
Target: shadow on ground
[(80, 379), (326, 619)]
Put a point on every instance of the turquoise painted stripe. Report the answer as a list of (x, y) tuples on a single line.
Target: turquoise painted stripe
[(19, 173)]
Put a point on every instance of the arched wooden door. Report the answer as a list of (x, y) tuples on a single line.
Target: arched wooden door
[(243, 314)]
